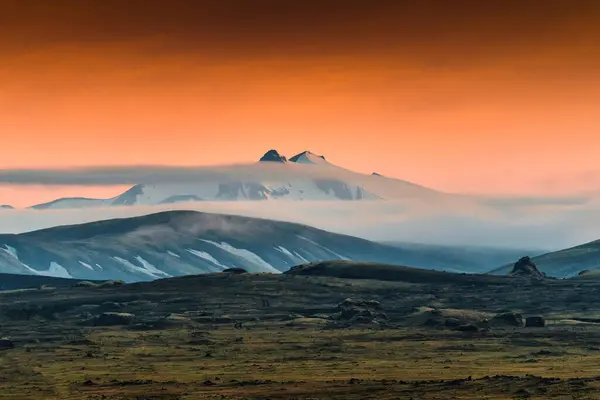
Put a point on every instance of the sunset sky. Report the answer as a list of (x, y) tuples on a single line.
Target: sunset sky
[(494, 97)]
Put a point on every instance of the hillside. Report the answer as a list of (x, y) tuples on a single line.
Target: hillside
[(564, 263), (178, 243), (471, 258)]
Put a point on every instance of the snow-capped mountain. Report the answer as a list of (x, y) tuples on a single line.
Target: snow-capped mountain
[(305, 176), (6, 207), (178, 243)]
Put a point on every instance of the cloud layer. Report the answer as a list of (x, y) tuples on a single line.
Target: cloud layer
[(546, 226)]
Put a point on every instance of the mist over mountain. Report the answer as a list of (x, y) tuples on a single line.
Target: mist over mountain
[(303, 177)]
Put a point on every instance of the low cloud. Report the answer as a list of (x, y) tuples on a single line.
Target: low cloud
[(154, 174), (548, 227)]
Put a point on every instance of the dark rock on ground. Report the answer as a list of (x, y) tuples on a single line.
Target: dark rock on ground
[(452, 323), (508, 319), (112, 318), (526, 267), (535, 322), (468, 328), (235, 271), (6, 344), (359, 311)]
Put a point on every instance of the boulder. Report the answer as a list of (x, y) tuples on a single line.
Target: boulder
[(508, 319), (468, 328), (359, 311), (349, 302), (535, 322), (526, 267), (452, 323), (113, 318), (6, 343), (235, 271), (86, 284)]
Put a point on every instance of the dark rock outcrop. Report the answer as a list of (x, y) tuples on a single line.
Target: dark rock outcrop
[(535, 322), (468, 328), (6, 344), (507, 319), (235, 271), (359, 311), (526, 267), (273, 156), (452, 323), (113, 318)]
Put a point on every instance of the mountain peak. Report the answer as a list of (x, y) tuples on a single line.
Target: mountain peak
[(273, 156), (308, 157), (6, 207)]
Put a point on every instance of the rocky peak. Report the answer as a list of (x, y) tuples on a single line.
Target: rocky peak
[(307, 157), (273, 156)]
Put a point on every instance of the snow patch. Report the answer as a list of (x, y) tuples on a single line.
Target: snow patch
[(88, 266), (207, 257), (169, 252), (294, 256), (301, 258), (245, 254), (341, 257), (135, 268), (56, 270), (13, 253), (151, 267)]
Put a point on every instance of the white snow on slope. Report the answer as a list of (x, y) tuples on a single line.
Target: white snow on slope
[(13, 253), (245, 254), (169, 252), (206, 257), (56, 270), (295, 257), (88, 266), (301, 258), (151, 267), (135, 268), (309, 158), (341, 257)]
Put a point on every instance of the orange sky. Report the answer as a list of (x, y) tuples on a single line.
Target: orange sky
[(492, 98)]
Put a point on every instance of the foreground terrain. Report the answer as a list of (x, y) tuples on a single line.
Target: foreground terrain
[(409, 334)]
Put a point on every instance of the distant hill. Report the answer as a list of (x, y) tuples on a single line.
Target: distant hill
[(179, 243), (564, 263), (383, 272), (470, 258), (16, 281)]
